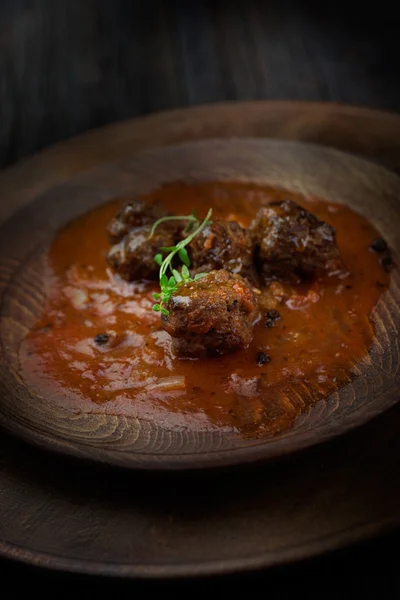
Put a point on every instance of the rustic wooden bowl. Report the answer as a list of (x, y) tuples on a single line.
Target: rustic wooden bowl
[(129, 442)]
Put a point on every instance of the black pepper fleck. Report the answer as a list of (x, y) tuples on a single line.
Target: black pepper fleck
[(262, 358), (272, 317), (101, 339), (379, 245), (387, 263)]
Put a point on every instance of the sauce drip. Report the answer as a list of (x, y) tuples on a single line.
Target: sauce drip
[(98, 346)]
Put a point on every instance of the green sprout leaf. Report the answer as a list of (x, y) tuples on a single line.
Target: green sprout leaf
[(185, 273), (158, 259), (189, 227), (184, 256), (177, 275)]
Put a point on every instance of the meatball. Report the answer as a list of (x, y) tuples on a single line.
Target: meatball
[(132, 215), (133, 257), (291, 243), (222, 245), (213, 315)]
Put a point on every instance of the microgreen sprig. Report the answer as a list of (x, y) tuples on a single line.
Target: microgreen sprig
[(169, 285)]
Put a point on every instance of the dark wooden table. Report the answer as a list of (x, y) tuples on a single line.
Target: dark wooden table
[(66, 67)]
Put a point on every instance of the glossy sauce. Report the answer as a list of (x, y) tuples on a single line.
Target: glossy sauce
[(323, 331)]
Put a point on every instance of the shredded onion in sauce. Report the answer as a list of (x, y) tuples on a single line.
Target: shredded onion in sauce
[(168, 384)]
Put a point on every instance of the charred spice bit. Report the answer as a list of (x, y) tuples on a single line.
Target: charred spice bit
[(101, 339), (262, 359), (379, 245), (387, 263), (272, 317)]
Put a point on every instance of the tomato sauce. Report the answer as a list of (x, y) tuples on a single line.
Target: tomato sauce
[(324, 329)]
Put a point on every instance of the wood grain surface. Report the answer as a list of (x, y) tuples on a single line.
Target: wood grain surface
[(61, 514), (131, 442)]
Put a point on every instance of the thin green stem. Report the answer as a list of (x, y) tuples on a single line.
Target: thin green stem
[(190, 218), (168, 288)]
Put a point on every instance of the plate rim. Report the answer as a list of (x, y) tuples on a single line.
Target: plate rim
[(254, 453), (170, 571)]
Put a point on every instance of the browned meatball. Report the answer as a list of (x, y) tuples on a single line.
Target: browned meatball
[(213, 315), (133, 257), (222, 245), (291, 243), (132, 215)]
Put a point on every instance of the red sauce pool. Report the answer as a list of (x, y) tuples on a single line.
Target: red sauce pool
[(324, 328)]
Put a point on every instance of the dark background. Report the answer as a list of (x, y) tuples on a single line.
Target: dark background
[(70, 65)]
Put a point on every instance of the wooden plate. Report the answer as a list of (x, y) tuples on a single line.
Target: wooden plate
[(130, 442), (65, 514)]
